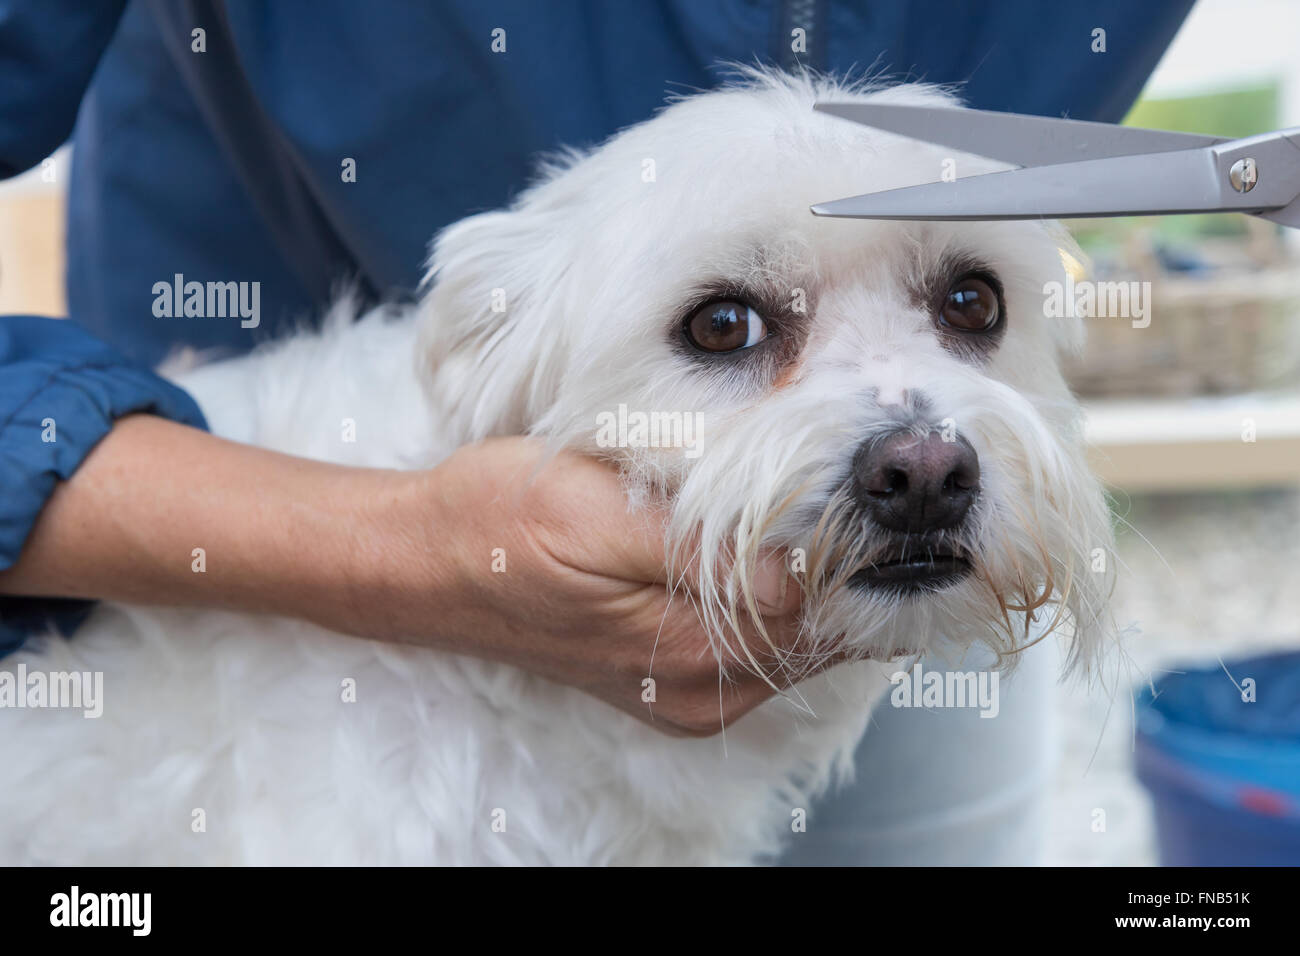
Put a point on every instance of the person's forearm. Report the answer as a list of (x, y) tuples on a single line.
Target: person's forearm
[(494, 554), (160, 513)]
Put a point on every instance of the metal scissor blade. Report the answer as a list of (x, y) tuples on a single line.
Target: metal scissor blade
[(1151, 184), (1014, 137)]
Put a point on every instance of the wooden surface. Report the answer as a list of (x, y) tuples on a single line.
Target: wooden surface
[(1196, 443)]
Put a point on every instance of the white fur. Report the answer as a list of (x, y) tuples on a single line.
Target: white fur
[(240, 715)]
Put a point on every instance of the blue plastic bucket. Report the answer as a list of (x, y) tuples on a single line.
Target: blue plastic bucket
[(1224, 772)]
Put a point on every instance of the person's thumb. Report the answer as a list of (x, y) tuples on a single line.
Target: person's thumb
[(775, 588), (635, 540)]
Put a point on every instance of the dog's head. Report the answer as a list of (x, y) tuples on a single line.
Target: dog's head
[(882, 400)]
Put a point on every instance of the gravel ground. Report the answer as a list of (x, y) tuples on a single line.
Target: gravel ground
[(1216, 577)]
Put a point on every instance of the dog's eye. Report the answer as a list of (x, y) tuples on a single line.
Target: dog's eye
[(970, 306), (724, 325)]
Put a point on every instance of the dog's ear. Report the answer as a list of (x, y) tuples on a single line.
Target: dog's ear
[(492, 338)]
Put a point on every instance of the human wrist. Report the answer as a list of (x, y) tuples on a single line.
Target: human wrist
[(388, 569)]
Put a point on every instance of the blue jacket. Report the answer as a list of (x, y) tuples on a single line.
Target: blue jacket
[(211, 140)]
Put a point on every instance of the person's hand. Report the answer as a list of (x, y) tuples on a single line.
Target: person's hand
[(550, 571)]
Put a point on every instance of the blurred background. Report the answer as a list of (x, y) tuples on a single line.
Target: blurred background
[(1209, 524)]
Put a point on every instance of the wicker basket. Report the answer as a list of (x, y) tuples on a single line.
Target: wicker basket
[(1234, 329), (1207, 336)]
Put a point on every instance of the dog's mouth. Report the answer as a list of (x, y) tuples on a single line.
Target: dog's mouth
[(913, 567)]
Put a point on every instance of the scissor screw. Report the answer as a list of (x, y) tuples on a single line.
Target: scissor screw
[(1243, 175)]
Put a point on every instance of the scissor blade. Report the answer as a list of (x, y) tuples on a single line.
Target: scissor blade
[(1014, 137), (1146, 185)]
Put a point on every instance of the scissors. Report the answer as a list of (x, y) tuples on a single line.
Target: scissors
[(1074, 169)]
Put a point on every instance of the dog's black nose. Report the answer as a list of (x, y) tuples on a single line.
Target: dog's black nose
[(914, 485)]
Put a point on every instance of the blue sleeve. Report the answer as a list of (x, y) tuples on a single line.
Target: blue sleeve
[(60, 392), (48, 52)]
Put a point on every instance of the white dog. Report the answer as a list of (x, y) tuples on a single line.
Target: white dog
[(883, 399)]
